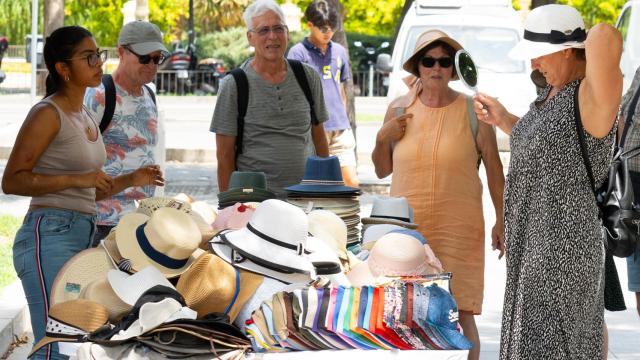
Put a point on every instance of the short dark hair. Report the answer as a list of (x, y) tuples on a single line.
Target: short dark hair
[(321, 13), (441, 44)]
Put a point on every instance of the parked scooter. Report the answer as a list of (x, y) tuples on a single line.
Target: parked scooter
[(368, 63), (179, 63)]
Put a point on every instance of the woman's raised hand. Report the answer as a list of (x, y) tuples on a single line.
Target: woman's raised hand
[(394, 129)]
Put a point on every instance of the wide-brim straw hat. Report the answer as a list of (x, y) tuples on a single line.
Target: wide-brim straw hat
[(129, 288), (331, 229), (424, 40), (548, 29), (100, 291), (213, 285), (166, 240), (71, 321), (81, 270)]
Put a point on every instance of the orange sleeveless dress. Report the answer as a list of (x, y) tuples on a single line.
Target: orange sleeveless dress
[(435, 168)]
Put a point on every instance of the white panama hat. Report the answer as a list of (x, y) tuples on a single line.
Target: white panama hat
[(548, 29)]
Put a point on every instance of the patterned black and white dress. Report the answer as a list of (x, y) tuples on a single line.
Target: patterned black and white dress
[(553, 306)]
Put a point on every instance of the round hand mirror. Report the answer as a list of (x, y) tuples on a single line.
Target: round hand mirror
[(466, 70)]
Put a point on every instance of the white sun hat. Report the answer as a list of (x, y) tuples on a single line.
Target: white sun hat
[(129, 288), (275, 239), (548, 29)]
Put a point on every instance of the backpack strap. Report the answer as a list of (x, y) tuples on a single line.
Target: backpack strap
[(473, 124), (242, 87), (109, 101), (152, 94), (301, 77), (628, 118)]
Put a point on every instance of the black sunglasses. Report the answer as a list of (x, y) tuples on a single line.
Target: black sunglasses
[(145, 59), (430, 62)]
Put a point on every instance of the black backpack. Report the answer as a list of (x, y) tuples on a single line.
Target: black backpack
[(242, 86), (110, 100)]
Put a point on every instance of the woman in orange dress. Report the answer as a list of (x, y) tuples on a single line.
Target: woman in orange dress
[(427, 142)]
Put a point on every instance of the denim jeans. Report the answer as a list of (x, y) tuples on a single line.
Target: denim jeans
[(47, 239)]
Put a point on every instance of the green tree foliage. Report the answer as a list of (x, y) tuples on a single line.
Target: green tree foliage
[(15, 20), (102, 17), (230, 45), (371, 17), (597, 11)]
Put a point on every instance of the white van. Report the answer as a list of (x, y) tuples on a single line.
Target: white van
[(487, 29), (628, 24)]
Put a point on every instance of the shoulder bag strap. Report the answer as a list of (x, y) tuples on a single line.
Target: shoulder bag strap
[(242, 87), (301, 77), (628, 119), (109, 101)]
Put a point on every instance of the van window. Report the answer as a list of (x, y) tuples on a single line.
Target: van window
[(489, 46)]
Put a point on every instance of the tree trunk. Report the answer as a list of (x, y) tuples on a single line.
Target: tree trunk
[(341, 38), (53, 14)]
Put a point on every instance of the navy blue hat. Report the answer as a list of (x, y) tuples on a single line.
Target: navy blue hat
[(322, 175)]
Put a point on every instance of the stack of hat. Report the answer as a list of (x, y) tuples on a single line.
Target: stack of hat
[(245, 186), (405, 315), (322, 187)]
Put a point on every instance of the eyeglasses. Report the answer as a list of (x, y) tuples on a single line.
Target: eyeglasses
[(276, 29), (325, 29), (430, 62), (145, 59), (92, 58)]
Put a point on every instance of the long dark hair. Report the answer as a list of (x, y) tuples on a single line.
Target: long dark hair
[(59, 47)]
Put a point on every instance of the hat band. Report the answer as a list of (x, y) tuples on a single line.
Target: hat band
[(556, 37), (392, 217), (154, 254), (235, 293), (57, 328), (321, 182), (299, 249)]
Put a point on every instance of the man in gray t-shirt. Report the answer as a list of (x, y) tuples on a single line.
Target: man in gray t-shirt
[(278, 133)]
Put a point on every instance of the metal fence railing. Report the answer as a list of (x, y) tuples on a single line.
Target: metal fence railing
[(202, 82), (20, 51)]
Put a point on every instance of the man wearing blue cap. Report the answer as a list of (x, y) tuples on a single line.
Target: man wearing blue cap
[(128, 116)]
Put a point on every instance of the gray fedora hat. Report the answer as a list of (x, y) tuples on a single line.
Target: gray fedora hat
[(142, 37)]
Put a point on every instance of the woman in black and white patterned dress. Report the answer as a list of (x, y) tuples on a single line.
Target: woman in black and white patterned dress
[(553, 306)]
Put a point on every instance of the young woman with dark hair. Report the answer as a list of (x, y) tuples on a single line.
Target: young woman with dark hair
[(57, 160)]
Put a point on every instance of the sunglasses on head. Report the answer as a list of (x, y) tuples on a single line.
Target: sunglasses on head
[(145, 59), (430, 62)]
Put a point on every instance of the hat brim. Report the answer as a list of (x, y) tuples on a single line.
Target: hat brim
[(129, 247), (78, 272), (453, 339), (370, 220), (250, 243), (410, 64), (526, 49), (146, 48), (49, 340), (129, 288), (225, 252), (307, 188)]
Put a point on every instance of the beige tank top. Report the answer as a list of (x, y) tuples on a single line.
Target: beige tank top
[(71, 153)]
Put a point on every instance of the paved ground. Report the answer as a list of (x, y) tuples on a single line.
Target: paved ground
[(186, 124)]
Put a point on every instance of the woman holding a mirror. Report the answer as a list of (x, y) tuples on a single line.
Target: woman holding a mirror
[(553, 304), (432, 144)]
